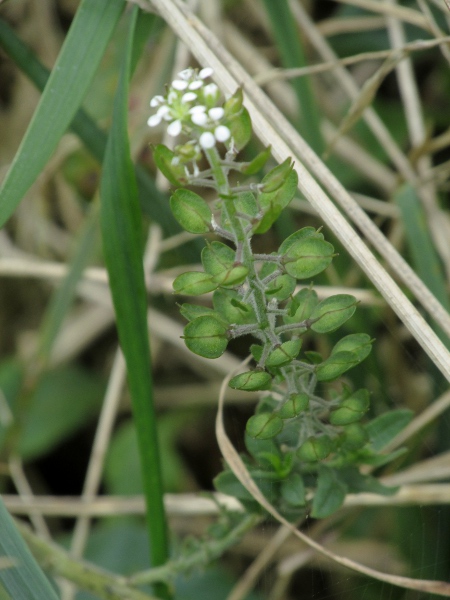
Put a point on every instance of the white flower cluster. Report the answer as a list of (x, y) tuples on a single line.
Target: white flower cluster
[(190, 107)]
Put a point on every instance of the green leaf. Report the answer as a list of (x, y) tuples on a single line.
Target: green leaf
[(71, 396), (251, 381), (163, 158), (227, 483), (295, 405), (258, 162), (206, 336), (24, 579), (194, 283), (246, 203), (384, 428), (240, 127), (332, 312), (284, 354), (272, 203), (123, 248), (293, 490), (330, 493), (358, 482), (264, 426), (358, 343), (308, 257), (75, 67), (191, 211)]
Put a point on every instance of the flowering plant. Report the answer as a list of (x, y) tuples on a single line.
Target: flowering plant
[(306, 449)]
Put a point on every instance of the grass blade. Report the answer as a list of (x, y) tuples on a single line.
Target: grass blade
[(123, 247), (292, 56), (80, 55), (24, 579), (423, 253)]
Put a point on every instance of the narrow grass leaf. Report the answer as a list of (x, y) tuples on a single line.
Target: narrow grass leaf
[(80, 55), (24, 579), (424, 256), (292, 55), (123, 246)]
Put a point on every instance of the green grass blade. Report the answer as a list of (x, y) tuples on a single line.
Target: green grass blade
[(292, 55), (62, 298), (423, 253), (80, 55), (123, 246), (24, 579)]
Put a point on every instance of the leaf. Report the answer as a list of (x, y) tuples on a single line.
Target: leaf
[(384, 428), (330, 493), (77, 63), (272, 203), (163, 158), (71, 396), (258, 162), (123, 248), (25, 579), (293, 490)]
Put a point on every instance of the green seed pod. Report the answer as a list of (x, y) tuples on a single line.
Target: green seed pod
[(315, 449), (284, 354), (251, 381), (352, 409), (194, 283), (277, 176), (337, 364), (333, 312), (358, 343), (206, 336), (308, 257), (166, 161), (296, 404), (258, 162), (264, 426), (191, 211), (353, 437)]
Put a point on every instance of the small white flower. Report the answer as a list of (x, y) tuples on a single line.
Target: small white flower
[(195, 85), (216, 113), (179, 84), (188, 97), (211, 89), (222, 133), (186, 74), (172, 96), (156, 101), (199, 118), (206, 72), (154, 120), (174, 128), (207, 140), (163, 111), (198, 108)]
